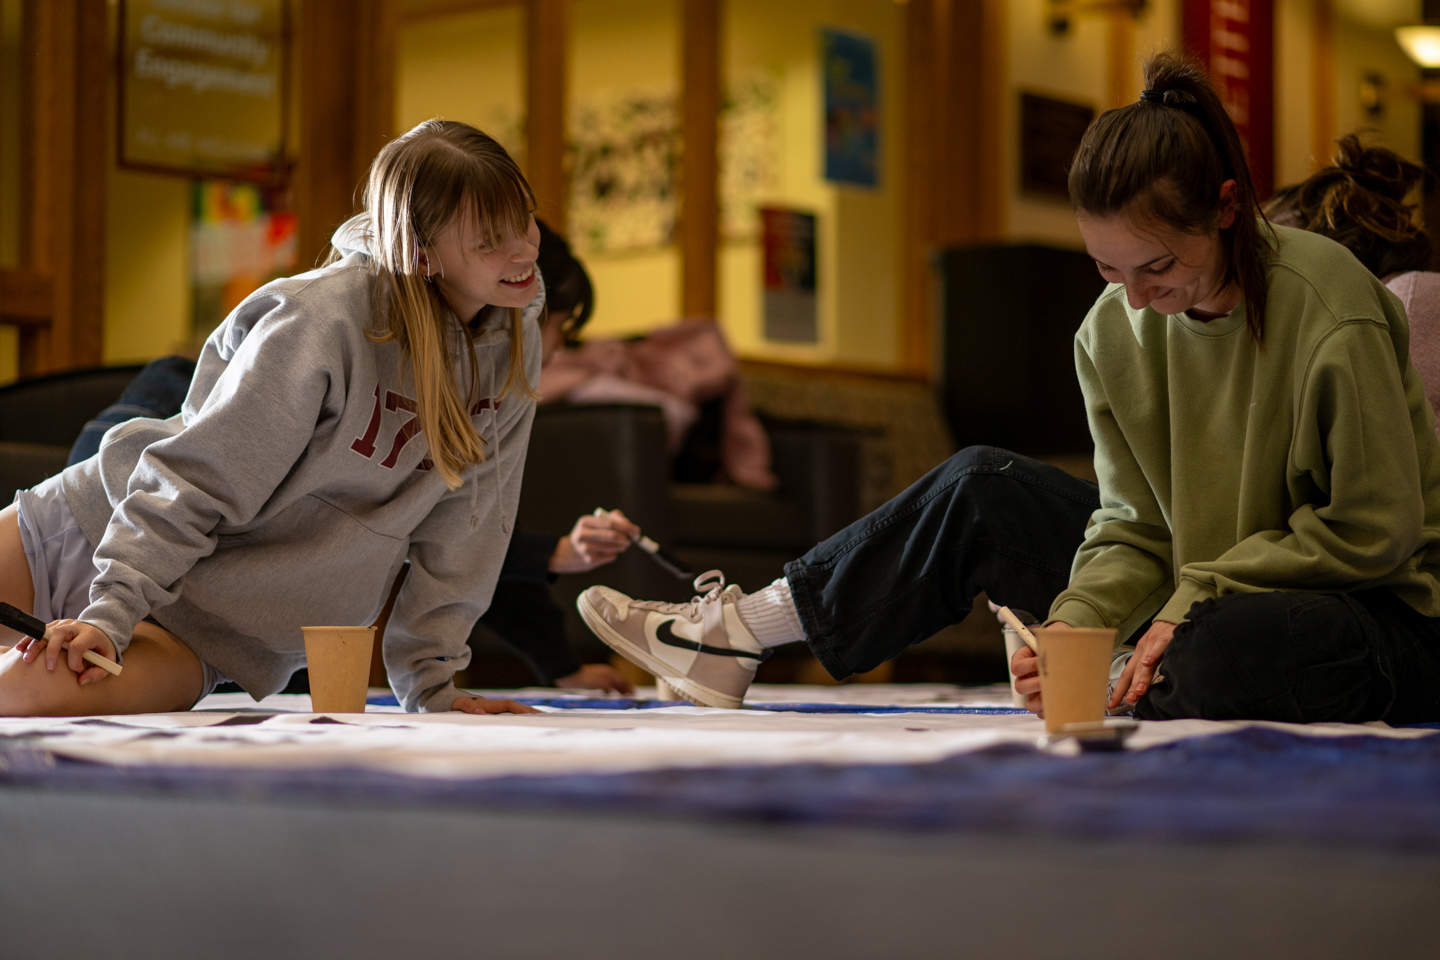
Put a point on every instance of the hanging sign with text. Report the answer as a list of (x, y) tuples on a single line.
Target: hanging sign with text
[(1235, 39), (202, 87)]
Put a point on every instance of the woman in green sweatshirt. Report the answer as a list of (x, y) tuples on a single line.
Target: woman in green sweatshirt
[(1265, 450), (1267, 517)]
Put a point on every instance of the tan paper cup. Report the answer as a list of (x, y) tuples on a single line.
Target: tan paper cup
[(1074, 674), (339, 663)]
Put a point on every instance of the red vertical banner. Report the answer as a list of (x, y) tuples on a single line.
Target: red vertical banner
[(1235, 39)]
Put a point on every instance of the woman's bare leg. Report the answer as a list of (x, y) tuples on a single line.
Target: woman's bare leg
[(161, 673), (16, 586)]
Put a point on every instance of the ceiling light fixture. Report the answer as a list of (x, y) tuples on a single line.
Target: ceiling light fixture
[(1421, 42)]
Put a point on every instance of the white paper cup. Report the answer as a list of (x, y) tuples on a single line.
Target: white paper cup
[(339, 662), (1013, 644)]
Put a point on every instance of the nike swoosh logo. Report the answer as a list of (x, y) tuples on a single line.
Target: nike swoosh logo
[(665, 635)]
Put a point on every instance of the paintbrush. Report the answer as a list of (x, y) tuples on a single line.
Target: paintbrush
[(21, 622), (659, 554), (1022, 631)]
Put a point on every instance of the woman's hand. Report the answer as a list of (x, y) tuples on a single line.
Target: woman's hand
[(593, 542), (1026, 667), (597, 676), (488, 705), (1139, 673), (81, 636)]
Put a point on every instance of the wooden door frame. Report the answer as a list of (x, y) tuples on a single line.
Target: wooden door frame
[(56, 295)]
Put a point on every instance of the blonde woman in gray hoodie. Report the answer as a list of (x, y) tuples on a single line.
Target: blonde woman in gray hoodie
[(339, 423)]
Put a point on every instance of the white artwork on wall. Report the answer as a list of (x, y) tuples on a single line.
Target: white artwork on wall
[(625, 165)]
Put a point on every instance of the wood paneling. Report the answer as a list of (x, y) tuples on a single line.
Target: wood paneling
[(347, 52), (547, 48), (699, 227), (418, 10), (953, 188), (26, 298), (65, 153)]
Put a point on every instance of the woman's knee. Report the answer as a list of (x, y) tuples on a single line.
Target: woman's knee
[(160, 675), (32, 690)]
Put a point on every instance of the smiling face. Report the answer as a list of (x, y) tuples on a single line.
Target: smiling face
[(1167, 269), (471, 273)]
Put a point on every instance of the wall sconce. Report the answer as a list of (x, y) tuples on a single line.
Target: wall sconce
[(1372, 94), (1421, 42), (1059, 14)]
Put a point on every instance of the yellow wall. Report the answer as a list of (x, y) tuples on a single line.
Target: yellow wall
[(1294, 90), (858, 227), (147, 285), (147, 280), (1365, 43), (467, 67), (470, 67), (628, 45)]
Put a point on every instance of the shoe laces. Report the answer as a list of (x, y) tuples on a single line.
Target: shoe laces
[(711, 584)]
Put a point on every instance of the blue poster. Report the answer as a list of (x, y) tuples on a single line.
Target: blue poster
[(852, 108)]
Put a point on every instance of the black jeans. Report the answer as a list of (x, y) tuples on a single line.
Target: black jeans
[(993, 521)]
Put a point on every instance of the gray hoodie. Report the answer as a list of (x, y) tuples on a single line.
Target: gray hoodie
[(294, 483)]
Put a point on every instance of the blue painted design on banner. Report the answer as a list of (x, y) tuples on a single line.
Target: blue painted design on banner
[(628, 703), (1257, 784)]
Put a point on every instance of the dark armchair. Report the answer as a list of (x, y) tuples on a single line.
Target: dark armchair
[(40, 419)]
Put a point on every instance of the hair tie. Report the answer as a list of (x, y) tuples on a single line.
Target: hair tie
[(1180, 99)]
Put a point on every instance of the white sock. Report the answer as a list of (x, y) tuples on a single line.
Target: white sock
[(771, 615)]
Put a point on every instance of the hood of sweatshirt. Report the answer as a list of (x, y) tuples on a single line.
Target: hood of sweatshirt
[(353, 236)]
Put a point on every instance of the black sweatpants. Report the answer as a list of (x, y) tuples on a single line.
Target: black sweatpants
[(993, 521)]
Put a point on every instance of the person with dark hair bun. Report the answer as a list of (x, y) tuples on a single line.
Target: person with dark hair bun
[(571, 295), (1267, 517), (1359, 201)]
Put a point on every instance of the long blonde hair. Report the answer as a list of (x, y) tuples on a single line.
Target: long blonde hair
[(419, 184)]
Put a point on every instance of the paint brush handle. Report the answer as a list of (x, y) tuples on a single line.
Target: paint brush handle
[(659, 554), (1022, 631), (21, 622)]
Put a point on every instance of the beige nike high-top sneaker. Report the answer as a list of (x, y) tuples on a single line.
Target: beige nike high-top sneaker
[(701, 648)]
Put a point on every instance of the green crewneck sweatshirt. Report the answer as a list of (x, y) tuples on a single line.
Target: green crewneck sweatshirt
[(1309, 463)]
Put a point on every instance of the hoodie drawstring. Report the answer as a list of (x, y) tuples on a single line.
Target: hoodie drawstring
[(493, 450)]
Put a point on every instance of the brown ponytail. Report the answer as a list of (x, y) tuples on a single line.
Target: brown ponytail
[(1163, 159), (1359, 202), (418, 184)]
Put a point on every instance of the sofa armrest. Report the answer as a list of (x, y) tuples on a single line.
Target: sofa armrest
[(819, 465), (22, 465), (54, 409)]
